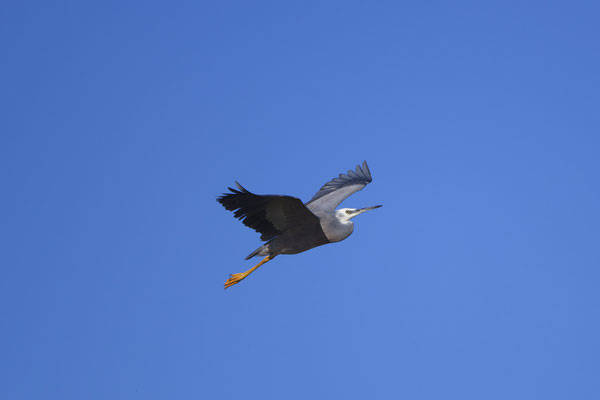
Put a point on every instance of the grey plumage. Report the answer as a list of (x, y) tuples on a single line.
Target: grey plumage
[(338, 189), (287, 225)]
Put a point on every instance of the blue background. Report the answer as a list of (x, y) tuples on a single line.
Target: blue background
[(122, 122)]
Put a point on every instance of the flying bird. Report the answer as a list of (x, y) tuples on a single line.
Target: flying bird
[(290, 227)]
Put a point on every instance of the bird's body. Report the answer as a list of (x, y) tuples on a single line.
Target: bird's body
[(288, 226), (304, 236)]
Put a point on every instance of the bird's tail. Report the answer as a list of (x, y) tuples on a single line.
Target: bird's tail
[(261, 251)]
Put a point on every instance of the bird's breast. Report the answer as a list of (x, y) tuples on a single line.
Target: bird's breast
[(335, 230)]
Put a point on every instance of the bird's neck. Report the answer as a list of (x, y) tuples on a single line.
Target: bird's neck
[(338, 229)]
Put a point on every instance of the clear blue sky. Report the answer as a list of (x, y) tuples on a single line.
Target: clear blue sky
[(122, 122)]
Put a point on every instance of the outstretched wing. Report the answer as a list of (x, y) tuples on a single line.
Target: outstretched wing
[(338, 189), (270, 215)]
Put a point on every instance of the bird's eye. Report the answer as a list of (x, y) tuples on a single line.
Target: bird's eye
[(348, 211)]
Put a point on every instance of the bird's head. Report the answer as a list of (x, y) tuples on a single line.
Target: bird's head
[(346, 214)]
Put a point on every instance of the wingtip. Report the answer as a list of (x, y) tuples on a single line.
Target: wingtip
[(365, 170), (241, 188)]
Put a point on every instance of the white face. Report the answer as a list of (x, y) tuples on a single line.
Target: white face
[(346, 214)]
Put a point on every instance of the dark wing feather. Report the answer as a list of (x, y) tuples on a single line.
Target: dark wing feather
[(270, 215), (338, 189)]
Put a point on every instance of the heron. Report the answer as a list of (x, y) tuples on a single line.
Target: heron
[(289, 226)]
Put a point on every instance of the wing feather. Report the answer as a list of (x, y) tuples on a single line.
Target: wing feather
[(338, 189), (270, 215)]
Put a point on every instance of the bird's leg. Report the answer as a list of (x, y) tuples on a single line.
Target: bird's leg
[(236, 278)]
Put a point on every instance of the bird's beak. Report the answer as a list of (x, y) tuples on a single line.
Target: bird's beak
[(362, 210), (370, 208)]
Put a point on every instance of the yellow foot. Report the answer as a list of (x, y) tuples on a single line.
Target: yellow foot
[(235, 279)]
